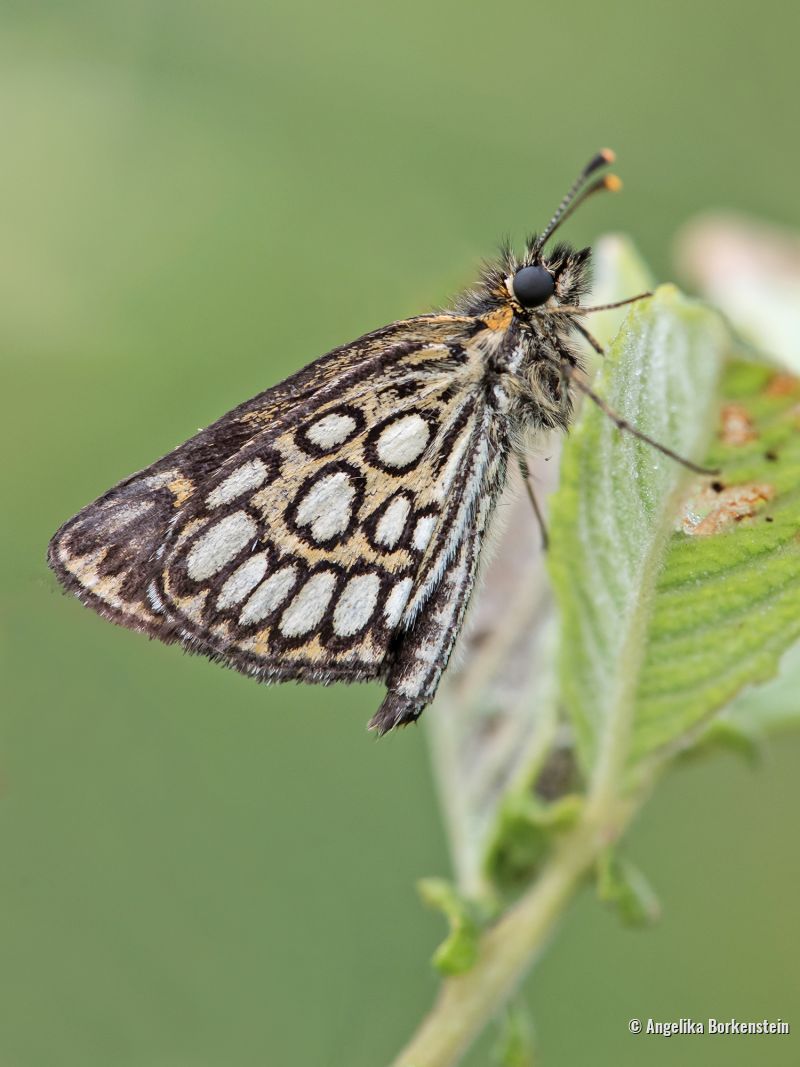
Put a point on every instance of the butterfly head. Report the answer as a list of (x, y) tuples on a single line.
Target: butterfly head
[(542, 279), (532, 286), (539, 281)]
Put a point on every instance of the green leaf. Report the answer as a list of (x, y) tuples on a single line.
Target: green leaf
[(723, 734), (625, 888), (515, 1046), (727, 604), (619, 272), (663, 627), (769, 707), (612, 514), (523, 836), (459, 950)]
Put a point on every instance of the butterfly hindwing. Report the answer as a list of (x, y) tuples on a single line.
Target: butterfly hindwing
[(417, 661)]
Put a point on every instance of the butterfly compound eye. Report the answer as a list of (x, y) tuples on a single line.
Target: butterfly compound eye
[(533, 286)]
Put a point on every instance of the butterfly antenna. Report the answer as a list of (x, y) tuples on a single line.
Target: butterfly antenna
[(577, 194)]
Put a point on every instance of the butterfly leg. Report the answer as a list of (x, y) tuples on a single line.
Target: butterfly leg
[(526, 475), (589, 338)]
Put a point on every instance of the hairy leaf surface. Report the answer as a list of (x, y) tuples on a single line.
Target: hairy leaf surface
[(676, 592), (613, 511)]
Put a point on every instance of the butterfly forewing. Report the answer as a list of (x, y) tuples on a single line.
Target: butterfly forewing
[(312, 544)]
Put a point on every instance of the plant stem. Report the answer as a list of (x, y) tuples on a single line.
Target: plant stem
[(467, 1002)]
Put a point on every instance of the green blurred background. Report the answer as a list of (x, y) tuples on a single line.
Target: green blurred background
[(196, 200)]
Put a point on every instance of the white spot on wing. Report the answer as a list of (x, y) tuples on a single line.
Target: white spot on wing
[(396, 601), (392, 523), (242, 581), (156, 602), (269, 595), (308, 607), (124, 514), (331, 430), (403, 441), (356, 604), (423, 531), (249, 476), (219, 545), (327, 505)]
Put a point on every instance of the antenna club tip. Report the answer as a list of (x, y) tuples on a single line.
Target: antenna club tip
[(612, 183), (608, 154)]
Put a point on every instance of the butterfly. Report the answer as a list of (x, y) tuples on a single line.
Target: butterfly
[(331, 528)]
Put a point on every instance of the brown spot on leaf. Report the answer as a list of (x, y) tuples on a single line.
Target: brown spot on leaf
[(707, 511), (782, 385), (736, 425)]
